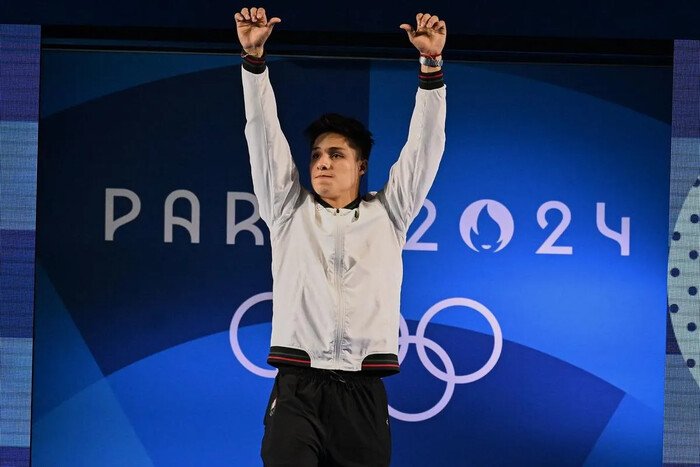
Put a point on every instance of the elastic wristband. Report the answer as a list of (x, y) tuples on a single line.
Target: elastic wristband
[(253, 64), (431, 80)]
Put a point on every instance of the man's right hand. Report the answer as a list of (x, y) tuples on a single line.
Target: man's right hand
[(253, 29)]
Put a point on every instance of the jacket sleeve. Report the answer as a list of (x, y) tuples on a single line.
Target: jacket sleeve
[(413, 174), (275, 176)]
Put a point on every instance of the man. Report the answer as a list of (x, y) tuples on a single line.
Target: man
[(336, 258)]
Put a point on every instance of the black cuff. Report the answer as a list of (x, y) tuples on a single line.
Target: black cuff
[(432, 80), (253, 64)]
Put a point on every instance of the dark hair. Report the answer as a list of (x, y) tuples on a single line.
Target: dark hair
[(359, 137)]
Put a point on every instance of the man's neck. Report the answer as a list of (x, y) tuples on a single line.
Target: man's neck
[(340, 202)]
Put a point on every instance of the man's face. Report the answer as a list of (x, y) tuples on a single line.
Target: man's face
[(335, 169)]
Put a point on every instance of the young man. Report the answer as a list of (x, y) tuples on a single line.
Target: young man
[(337, 265)]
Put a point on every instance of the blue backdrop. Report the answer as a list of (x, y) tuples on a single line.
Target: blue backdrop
[(534, 290)]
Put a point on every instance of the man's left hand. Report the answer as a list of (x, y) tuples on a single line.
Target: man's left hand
[(429, 35)]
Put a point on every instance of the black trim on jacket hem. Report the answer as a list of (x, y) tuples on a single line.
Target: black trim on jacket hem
[(374, 364), (287, 357), (384, 363)]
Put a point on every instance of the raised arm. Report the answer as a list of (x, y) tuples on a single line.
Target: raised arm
[(275, 177), (413, 174)]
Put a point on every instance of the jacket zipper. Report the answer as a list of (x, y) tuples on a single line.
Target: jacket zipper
[(339, 288)]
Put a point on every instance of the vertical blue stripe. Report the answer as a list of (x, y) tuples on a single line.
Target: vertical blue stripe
[(19, 72), (19, 113)]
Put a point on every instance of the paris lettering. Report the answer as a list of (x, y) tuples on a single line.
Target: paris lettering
[(476, 212)]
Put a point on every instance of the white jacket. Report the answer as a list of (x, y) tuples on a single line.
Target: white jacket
[(337, 273)]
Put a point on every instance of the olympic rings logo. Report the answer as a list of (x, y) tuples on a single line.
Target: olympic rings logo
[(419, 340), (449, 376)]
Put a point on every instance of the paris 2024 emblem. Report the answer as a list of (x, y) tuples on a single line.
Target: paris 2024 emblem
[(498, 213)]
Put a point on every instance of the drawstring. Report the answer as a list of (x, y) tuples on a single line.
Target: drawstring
[(339, 378), (349, 379), (336, 377)]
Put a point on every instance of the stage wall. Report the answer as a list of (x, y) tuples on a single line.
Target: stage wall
[(534, 291)]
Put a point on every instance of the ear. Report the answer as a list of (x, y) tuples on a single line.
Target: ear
[(363, 167)]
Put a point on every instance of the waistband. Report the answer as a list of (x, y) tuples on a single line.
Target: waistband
[(330, 375)]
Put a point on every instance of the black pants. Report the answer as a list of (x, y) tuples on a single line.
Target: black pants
[(319, 418)]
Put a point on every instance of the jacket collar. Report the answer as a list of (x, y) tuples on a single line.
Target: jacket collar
[(353, 205)]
